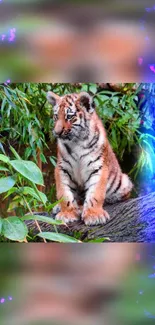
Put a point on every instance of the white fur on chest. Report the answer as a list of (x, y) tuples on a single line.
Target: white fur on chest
[(80, 158)]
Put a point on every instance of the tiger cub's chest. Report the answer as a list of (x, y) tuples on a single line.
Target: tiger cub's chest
[(80, 161)]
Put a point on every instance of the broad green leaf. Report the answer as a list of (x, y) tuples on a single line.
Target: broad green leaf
[(30, 191), (108, 92), (4, 158), (29, 170), (15, 229), (1, 223), (84, 87), (58, 237), (6, 183), (93, 88), (2, 168), (103, 97), (48, 220)]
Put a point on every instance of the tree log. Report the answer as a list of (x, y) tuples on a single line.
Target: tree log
[(131, 221)]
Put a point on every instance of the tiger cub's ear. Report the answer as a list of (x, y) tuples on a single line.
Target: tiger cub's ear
[(86, 101), (53, 98)]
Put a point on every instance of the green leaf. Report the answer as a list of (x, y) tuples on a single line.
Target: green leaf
[(2, 148), (93, 88), (11, 191), (99, 240), (29, 170), (15, 153), (6, 183), (58, 237), (4, 102), (51, 206), (43, 158), (1, 223), (103, 97), (2, 168), (4, 158), (84, 87), (28, 152), (114, 138), (30, 191), (15, 229), (52, 159), (48, 220)]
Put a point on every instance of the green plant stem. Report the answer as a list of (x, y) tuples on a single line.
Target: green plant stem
[(36, 222), (37, 191)]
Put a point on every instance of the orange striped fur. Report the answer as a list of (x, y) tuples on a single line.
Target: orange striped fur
[(87, 172)]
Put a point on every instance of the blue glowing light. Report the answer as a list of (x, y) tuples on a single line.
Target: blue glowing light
[(147, 38), (7, 82), (4, 300), (151, 276), (10, 36), (149, 315)]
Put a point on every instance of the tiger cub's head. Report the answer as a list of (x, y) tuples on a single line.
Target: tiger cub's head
[(72, 114)]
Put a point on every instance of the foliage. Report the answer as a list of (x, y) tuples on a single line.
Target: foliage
[(20, 173), (26, 115)]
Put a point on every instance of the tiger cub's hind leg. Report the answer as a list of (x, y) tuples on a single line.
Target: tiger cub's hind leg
[(121, 191)]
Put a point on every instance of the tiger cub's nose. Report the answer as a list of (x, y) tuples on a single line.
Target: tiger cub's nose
[(58, 129)]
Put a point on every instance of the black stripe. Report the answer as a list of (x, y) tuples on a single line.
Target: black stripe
[(93, 141), (69, 102), (69, 150), (85, 120), (112, 183), (66, 172), (91, 203), (66, 161), (69, 99), (88, 153), (118, 186), (94, 172), (70, 187), (75, 126), (89, 187), (92, 161), (80, 118)]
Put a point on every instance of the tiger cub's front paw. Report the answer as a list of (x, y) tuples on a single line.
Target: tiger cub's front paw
[(67, 217), (95, 216)]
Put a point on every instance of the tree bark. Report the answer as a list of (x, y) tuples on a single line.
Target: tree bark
[(131, 221)]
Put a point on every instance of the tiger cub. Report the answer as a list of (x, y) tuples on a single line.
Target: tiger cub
[(87, 172)]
